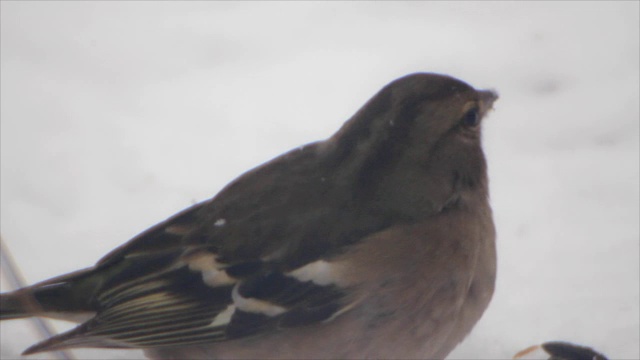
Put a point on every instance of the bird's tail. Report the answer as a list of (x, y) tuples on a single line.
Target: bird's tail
[(66, 297), (14, 305)]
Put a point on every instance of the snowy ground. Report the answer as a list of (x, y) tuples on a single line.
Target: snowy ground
[(116, 115)]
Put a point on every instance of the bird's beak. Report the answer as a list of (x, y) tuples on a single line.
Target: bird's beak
[(487, 98)]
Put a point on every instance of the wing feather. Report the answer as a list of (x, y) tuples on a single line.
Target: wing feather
[(268, 243)]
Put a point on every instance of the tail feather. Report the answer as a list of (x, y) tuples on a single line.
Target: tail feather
[(57, 298), (16, 305)]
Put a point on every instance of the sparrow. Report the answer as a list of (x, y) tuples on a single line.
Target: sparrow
[(377, 242)]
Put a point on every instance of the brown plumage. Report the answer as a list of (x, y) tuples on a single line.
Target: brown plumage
[(375, 243)]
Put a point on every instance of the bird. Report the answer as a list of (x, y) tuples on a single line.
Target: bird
[(562, 350), (377, 242)]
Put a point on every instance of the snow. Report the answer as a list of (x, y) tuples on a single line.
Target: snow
[(116, 115)]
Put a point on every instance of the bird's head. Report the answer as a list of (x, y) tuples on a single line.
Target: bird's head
[(416, 144)]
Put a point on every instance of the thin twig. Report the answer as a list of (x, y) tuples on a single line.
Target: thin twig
[(16, 281)]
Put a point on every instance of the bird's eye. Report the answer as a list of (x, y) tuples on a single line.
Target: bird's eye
[(471, 118)]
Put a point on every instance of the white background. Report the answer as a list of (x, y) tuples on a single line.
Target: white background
[(116, 115)]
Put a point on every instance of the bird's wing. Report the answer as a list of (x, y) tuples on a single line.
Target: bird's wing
[(255, 258)]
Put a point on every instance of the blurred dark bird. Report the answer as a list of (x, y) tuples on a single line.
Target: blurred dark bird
[(375, 243), (560, 350)]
